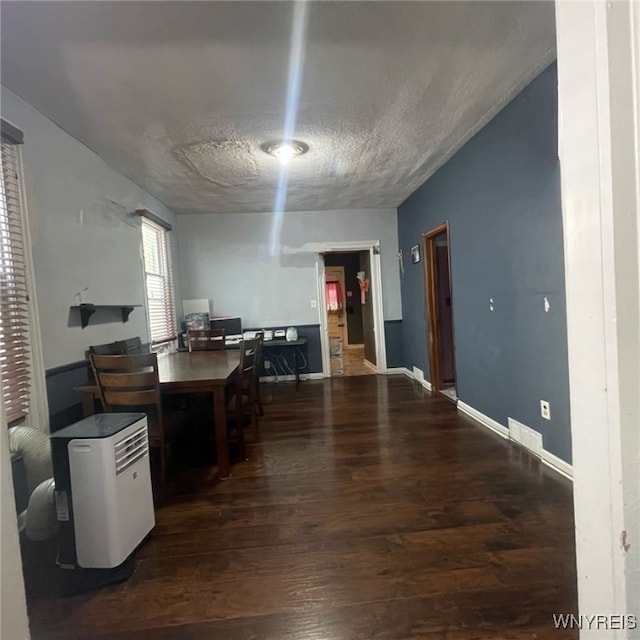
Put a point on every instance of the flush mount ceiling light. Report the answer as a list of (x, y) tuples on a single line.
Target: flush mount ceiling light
[(284, 151)]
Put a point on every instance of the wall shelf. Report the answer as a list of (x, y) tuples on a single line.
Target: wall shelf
[(87, 310)]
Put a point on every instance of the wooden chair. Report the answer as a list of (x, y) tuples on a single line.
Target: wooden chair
[(242, 407), (131, 383), (206, 339), (259, 335)]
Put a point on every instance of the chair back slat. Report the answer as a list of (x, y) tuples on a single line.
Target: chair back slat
[(206, 339), (127, 381), (134, 380), (133, 362)]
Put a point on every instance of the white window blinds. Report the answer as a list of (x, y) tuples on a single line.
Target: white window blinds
[(159, 282), (15, 359)]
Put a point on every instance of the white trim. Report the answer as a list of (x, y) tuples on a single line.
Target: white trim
[(373, 246), (598, 148), (485, 421), (378, 311), (557, 464), (14, 622), (552, 461), (398, 370), (322, 314), (370, 365), (410, 374)]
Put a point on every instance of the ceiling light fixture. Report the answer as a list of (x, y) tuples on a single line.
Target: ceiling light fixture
[(285, 150)]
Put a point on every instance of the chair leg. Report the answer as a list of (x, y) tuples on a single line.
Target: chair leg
[(259, 406), (255, 423)]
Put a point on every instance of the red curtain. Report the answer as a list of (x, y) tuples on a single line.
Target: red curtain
[(333, 294)]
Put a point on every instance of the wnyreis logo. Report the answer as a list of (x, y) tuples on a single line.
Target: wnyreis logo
[(597, 622)]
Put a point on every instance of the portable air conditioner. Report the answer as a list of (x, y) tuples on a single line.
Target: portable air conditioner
[(104, 500)]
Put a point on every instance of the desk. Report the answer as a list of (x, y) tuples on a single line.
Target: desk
[(268, 345), (198, 372)]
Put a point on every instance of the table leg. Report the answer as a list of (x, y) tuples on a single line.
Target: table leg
[(88, 404), (297, 366), (220, 426)]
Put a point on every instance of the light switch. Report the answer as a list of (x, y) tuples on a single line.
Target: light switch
[(314, 304)]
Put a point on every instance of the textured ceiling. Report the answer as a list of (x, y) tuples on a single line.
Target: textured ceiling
[(178, 96)]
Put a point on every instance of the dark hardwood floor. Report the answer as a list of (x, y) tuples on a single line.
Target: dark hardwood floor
[(370, 509)]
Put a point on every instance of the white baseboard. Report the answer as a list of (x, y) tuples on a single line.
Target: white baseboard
[(557, 464), (292, 378), (416, 375), (398, 371), (370, 366), (486, 421), (551, 460)]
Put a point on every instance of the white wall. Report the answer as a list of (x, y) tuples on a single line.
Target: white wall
[(83, 235), (14, 624), (229, 259)]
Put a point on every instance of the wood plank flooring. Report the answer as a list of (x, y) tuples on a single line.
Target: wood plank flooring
[(370, 509), (353, 361)]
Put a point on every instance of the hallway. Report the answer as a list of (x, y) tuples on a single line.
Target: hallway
[(370, 509)]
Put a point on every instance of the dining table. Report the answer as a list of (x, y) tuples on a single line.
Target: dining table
[(186, 373), (203, 372)]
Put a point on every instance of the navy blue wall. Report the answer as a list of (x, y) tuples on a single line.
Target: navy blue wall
[(501, 196), (393, 340)]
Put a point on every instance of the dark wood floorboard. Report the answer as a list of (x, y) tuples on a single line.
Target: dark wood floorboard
[(370, 509)]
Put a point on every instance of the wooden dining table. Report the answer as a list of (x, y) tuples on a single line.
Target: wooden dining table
[(203, 372), (196, 372)]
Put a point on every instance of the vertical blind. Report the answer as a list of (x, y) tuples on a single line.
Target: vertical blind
[(159, 282), (15, 359)]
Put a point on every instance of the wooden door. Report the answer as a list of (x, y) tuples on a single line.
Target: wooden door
[(438, 309), (337, 320)]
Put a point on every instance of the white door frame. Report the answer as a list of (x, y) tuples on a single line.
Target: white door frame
[(373, 247), (599, 150)]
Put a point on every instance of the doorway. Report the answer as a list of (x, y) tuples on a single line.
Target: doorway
[(439, 311), (349, 313)]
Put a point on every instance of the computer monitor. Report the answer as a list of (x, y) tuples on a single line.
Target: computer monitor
[(232, 325)]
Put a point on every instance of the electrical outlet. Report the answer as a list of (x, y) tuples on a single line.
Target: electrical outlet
[(545, 410), (267, 364), (314, 304)]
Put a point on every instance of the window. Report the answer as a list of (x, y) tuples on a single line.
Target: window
[(159, 282), (15, 356)]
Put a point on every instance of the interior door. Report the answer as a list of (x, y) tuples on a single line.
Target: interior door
[(336, 319), (367, 311), (443, 311)]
